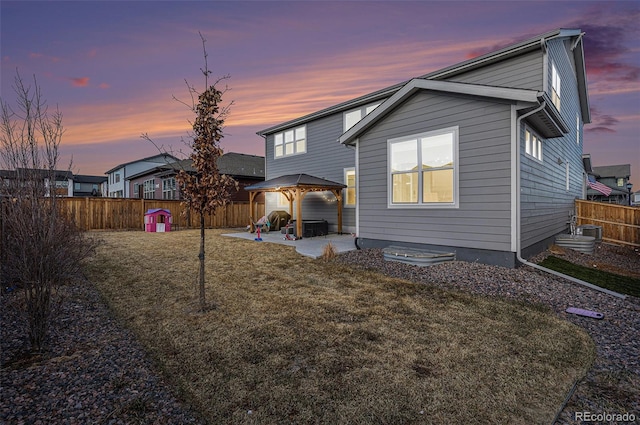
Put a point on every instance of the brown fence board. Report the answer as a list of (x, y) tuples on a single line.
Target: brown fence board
[(620, 224), (128, 214)]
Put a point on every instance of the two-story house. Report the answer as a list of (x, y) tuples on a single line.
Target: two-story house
[(615, 177), (118, 176), (160, 182), (482, 158)]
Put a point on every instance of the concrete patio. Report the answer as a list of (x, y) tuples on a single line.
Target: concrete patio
[(310, 247)]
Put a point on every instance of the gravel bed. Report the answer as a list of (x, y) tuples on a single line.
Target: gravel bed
[(94, 371), (613, 383)]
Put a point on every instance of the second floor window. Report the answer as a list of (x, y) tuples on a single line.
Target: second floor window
[(149, 189), (290, 142), (117, 178), (532, 145), (555, 86), (169, 188), (351, 118)]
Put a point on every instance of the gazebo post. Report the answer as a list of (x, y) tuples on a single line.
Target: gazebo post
[(252, 196), (298, 213), (338, 194)]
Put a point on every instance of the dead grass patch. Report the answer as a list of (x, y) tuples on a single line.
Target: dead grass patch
[(296, 340)]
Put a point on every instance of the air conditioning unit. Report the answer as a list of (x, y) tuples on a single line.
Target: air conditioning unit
[(590, 230)]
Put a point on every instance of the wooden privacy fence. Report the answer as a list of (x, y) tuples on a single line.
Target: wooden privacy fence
[(128, 214), (620, 224)]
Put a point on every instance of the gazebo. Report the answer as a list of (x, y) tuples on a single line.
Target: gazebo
[(294, 187)]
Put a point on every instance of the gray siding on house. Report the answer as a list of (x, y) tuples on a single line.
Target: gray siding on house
[(521, 72), (325, 158), (482, 220), (546, 204)]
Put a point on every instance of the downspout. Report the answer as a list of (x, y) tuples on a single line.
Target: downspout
[(519, 221)]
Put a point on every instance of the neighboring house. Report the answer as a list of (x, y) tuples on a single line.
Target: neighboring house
[(160, 182), (482, 158), (119, 175), (62, 179), (65, 182), (614, 177), (89, 185)]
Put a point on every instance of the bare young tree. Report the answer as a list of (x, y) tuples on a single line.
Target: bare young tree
[(41, 248), (207, 189)]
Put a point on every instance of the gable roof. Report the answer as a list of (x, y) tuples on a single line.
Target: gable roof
[(547, 121), (165, 156), (534, 43)]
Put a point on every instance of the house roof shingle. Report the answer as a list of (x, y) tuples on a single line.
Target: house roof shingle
[(617, 171)]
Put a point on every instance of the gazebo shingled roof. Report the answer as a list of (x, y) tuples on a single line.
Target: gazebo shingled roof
[(294, 187)]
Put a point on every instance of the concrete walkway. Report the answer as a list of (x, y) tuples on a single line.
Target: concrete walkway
[(310, 247)]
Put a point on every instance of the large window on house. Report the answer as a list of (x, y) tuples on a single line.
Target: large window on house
[(532, 145), (351, 118), (555, 86), (290, 142), (149, 189), (423, 169), (169, 188), (350, 190)]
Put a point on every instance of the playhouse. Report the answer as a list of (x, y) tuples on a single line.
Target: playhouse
[(157, 220)]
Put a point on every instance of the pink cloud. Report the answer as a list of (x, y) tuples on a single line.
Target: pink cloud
[(104, 86), (80, 82), (601, 123), (37, 55)]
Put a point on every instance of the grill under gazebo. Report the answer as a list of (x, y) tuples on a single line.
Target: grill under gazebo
[(295, 187)]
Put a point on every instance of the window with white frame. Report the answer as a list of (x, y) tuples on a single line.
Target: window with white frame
[(555, 86), (620, 182), (351, 118), (423, 169), (290, 142), (149, 189), (577, 129), (350, 190), (169, 188), (532, 145)]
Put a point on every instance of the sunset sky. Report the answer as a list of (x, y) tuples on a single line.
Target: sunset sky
[(113, 67)]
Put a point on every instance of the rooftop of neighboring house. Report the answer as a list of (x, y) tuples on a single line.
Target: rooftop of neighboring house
[(615, 171), (40, 173), (161, 158), (81, 178), (231, 163)]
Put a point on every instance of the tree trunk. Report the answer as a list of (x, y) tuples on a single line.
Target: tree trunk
[(203, 302)]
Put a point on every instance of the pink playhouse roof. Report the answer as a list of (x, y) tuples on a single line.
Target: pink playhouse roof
[(157, 210)]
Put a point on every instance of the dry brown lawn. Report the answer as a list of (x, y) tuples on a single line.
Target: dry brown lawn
[(297, 340)]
